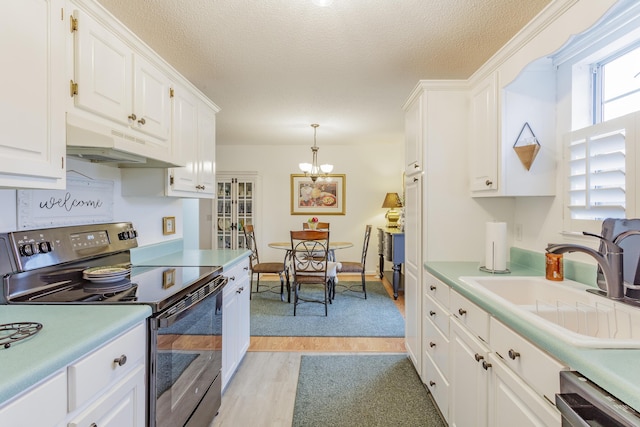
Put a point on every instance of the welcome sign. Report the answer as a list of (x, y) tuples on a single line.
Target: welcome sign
[(84, 201)]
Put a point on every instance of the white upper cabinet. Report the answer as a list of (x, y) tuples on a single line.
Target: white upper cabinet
[(185, 133), (32, 134), (483, 136), (516, 88), (413, 136), (119, 93), (197, 178)]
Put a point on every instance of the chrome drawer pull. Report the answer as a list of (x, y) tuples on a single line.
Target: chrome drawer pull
[(433, 288), (432, 383), (120, 361), (486, 365), (462, 311), (513, 355), (478, 357), (240, 290), (432, 344), (432, 313)]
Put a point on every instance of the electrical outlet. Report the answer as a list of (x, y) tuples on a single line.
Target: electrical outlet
[(518, 232)]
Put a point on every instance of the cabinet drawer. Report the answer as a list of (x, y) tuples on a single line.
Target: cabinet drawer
[(437, 314), (437, 290), (437, 384), (537, 368), (436, 345), (98, 370), (238, 271), (470, 315)]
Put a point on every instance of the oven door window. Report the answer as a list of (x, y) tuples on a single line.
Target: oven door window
[(188, 359)]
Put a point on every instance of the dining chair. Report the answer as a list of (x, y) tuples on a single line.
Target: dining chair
[(309, 266), (259, 268), (356, 266), (319, 226)]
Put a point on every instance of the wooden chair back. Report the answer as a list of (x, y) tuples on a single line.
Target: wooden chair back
[(319, 226)]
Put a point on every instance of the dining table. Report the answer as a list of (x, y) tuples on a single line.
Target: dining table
[(333, 266)]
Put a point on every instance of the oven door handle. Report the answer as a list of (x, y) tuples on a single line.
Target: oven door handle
[(170, 316), (568, 413)]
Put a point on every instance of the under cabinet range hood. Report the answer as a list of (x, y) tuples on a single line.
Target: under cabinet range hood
[(91, 141)]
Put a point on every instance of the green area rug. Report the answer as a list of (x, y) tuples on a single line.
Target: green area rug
[(350, 315), (362, 390)]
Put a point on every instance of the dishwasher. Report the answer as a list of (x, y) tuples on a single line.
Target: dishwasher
[(584, 404)]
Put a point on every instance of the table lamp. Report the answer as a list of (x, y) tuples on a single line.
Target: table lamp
[(392, 201)]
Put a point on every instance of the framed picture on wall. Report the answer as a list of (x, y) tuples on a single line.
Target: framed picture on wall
[(325, 196)]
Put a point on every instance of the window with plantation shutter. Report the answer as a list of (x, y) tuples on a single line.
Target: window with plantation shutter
[(600, 170)]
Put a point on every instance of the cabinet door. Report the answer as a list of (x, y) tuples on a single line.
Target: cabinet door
[(469, 379), (32, 127), (50, 399), (103, 71), (413, 137), (206, 150), (413, 269), (483, 136), (244, 312), (513, 403), (152, 102), (185, 123), (123, 405), (230, 310)]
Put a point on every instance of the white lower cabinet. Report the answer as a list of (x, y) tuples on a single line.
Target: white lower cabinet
[(478, 370), (236, 311), (513, 403), (469, 378), (435, 341), (106, 387), (50, 397), (120, 406)]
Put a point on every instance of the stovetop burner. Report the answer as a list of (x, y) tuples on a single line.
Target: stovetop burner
[(14, 332)]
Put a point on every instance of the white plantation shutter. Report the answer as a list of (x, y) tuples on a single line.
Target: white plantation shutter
[(600, 169)]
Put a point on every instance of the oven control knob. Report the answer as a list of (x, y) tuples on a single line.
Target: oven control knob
[(45, 247), (27, 249)]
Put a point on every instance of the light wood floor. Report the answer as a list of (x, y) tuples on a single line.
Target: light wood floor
[(263, 390)]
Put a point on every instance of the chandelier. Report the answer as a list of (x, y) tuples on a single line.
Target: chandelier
[(312, 170)]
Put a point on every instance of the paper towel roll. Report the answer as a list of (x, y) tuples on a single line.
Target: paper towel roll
[(496, 246)]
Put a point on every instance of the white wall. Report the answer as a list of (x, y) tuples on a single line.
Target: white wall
[(371, 171), (145, 212)]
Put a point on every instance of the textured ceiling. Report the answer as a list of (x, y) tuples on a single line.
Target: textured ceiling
[(276, 66)]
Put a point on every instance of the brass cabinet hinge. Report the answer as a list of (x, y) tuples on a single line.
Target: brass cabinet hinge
[(74, 24), (170, 92), (73, 88)]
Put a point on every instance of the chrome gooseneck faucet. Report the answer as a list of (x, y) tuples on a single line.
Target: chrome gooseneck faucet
[(610, 262)]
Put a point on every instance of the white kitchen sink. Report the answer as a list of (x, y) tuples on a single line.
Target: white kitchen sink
[(563, 309)]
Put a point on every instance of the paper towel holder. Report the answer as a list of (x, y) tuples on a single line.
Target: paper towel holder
[(486, 269)]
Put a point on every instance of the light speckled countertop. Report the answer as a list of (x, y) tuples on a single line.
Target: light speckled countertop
[(68, 332), (195, 257), (615, 370)]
